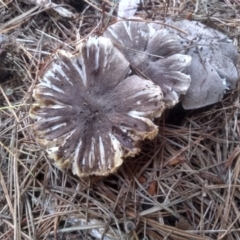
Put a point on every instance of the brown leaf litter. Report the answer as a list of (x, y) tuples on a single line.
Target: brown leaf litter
[(188, 174)]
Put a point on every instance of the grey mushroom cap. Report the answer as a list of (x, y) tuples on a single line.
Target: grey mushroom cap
[(213, 69), (155, 53), (91, 114)]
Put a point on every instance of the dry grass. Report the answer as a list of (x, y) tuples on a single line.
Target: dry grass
[(185, 183)]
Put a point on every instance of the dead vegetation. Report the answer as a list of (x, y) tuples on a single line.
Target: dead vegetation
[(184, 184)]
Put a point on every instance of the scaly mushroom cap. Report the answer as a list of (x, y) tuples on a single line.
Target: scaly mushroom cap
[(214, 59), (90, 115), (155, 53)]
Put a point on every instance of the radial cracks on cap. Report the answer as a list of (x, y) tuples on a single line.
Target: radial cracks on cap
[(81, 118)]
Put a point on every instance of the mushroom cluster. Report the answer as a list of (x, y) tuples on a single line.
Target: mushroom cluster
[(95, 107), (154, 53), (212, 70)]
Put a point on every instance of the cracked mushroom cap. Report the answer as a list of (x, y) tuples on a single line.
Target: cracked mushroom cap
[(91, 113), (155, 53), (213, 68)]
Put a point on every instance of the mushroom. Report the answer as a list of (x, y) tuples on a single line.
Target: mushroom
[(90, 112), (154, 53), (157, 50), (213, 68)]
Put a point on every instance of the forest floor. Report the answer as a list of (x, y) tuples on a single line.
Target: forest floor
[(185, 184)]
